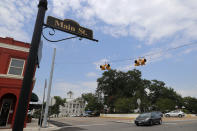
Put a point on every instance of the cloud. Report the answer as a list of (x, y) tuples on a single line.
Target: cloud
[(91, 74), (149, 21), (188, 92), (67, 85), (78, 88), (189, 50), (146, 20), (125, 67), (90, 85), (60, 7), (115, 31), (139, 46), (14, 17), (156, 54)]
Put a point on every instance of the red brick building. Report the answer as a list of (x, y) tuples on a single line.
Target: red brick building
[(13, 59)]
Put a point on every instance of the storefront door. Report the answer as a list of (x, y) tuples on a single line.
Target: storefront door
[(4, 112)]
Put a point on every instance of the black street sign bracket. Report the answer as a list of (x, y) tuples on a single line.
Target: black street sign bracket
[(69, 26), (53, 33)]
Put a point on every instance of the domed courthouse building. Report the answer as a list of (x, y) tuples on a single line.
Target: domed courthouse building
[(13, 59)]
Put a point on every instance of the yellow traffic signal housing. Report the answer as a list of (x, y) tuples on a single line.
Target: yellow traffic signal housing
[(108, 67), (105, 67), (140, 61), (137, 62), (143, 61), (102, 67)]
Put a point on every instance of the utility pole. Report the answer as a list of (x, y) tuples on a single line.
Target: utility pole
[(26, 89), (41, 118), (49, 90)]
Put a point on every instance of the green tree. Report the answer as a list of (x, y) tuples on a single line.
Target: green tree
[(117, 84), (190, 103), (160, 93), (118, 87), (165, 104), (93, 103), (156, 88), (55, 108), (124, 105), (37, 113)]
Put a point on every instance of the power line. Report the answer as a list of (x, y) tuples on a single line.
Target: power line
[(154, 53), (133, 58), (169, 49)]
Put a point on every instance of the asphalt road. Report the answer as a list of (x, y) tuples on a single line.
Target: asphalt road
[(97, 124)]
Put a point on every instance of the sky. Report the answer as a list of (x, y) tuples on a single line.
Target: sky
[(126, 30)]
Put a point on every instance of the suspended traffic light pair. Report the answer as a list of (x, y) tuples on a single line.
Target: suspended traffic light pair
[(140, 61), (105, 67)]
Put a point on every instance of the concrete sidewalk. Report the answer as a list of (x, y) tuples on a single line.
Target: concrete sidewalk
[(33, 126)]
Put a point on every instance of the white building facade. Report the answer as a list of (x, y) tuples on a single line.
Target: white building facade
[(73, 107)]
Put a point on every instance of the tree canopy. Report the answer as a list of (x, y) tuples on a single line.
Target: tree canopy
[(55, 108), (119, 92), (93, 103)]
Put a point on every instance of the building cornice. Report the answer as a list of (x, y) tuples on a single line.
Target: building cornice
[(14, 47), (11, 76)]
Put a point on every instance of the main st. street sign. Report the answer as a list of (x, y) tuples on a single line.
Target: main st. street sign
[(69, 26)]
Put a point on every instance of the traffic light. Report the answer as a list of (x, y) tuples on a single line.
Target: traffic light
[(108, 66), (102, 67), (143, 61), (137, 62), (140, 62), (105, 67)]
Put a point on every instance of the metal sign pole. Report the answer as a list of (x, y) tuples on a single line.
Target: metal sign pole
[(41, 116), (49, 90), (30, 69)]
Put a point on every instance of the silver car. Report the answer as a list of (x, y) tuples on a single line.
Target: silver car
[(176, 113)]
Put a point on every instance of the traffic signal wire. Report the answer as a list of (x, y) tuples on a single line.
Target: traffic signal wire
[(144, 56), (155, 53), (170, 49)]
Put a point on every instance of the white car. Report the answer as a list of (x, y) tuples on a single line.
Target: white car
[(175, 113)]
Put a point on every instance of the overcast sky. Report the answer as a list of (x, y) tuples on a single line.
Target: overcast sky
[(126, 30)]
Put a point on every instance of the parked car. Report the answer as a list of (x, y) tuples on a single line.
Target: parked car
[(85, 115), (159, 113), (176, 113), (149, 118), (72, 115)]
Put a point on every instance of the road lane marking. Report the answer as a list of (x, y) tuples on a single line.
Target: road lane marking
[(83, 125), (181, 120), (169, 123), (123, 121)]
